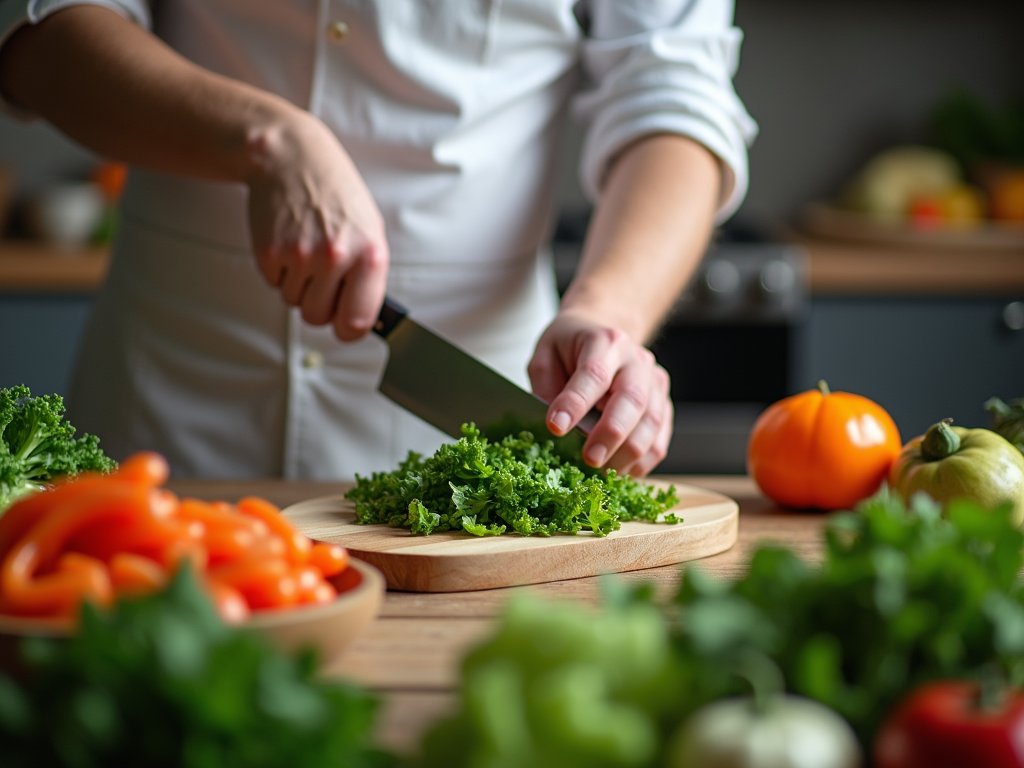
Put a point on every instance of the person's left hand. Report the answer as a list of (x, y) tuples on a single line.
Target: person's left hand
[(579, 364)]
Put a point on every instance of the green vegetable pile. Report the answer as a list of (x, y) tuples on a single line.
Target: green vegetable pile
[(974, 131), (487, 488), (37, 445), (902, 597), (162, 682), (1008, 420)]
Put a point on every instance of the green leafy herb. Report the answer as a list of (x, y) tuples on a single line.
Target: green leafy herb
[(565, 688), (37, 445), (903, 596), (1008, 420), (973, 131), (515, 484), (161, 681)]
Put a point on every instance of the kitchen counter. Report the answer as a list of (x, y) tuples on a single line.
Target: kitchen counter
[(31, 267), (836, 268), (410, 655)]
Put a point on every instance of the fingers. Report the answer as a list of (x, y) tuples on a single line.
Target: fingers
[(341, 282), (627, 415), (588, 365), (647, 445), (547, 374), (659, 450), (594, 369), (362, 294)]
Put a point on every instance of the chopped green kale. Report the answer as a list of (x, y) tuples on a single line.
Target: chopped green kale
[(515, 484), (1008, 419), (37, 445)]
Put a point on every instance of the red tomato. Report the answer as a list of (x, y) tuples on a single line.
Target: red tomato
[(940, 725), (821, 449)]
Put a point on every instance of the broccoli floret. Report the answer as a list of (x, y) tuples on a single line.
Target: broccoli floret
[(37, 445)]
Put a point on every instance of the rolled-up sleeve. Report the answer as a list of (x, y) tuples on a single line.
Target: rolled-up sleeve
[(15, 13), (663, 66)]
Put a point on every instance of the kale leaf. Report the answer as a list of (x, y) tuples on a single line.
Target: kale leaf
[(515, 484), (37, 445), (1008, 419)]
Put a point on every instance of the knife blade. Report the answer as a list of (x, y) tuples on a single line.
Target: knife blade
[(448, 387)]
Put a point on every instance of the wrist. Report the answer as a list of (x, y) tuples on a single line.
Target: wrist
[(276, 139), (587, 303)]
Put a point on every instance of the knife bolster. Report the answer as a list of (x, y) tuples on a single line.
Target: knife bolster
[(391, 314)]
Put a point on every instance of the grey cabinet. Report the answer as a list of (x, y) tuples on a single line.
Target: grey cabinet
[(39, 339), (922, 359)]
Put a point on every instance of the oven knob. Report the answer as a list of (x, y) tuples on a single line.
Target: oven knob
[(778, 279), (722, 280), (1013, 316)]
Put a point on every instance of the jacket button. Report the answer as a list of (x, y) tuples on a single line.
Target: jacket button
[(337, 31), (312, 360)]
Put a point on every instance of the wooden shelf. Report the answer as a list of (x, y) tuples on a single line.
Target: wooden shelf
[(35, 267), (840, 268), (837, 268)]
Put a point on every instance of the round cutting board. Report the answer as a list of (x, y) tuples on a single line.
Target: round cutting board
[(459, 562)]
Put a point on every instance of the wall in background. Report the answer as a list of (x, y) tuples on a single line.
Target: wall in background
[(829, 81), (833, 82)]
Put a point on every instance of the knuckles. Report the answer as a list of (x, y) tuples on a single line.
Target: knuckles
[(597, 371), (635, 396)]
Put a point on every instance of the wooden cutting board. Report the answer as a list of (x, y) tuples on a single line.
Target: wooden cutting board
[(459, 562)]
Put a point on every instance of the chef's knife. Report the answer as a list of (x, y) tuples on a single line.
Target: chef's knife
[(447, 387)]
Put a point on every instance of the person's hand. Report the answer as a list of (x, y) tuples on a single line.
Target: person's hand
[(579, 364), (316, 230)]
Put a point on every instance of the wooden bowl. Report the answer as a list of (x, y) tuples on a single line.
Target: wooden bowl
[(325, 628)]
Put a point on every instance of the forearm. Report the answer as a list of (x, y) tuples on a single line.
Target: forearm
[(121, 92), (648, 234)]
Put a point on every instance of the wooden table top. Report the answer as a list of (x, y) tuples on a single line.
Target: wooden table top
[(410, 655)]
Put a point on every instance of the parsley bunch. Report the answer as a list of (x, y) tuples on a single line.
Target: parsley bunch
[(161, 682), (903, 596), (516, 484)]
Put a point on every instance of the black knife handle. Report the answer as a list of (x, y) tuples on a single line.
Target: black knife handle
[(391, 314)]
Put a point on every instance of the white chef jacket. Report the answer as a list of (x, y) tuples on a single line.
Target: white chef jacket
[(451, 110)]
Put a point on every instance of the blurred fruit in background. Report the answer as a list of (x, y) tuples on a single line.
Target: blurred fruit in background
[(66, 213), (1008, 196), (959, 206), (110, 177), (888, 185)]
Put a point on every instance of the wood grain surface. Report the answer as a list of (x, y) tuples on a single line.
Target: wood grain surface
[(455, 561), (33, 267), (411, 654)]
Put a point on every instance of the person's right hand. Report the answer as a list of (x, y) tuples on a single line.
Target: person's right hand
[(316, 230)]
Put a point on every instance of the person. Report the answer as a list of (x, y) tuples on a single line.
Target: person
[(292, 161)]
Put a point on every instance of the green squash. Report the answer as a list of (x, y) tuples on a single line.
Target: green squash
[(952, 462)]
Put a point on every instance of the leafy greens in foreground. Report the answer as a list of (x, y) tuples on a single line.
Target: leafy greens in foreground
[(1008, 419), (903, 596), (37, 445), (160, 681), (516, 484)]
